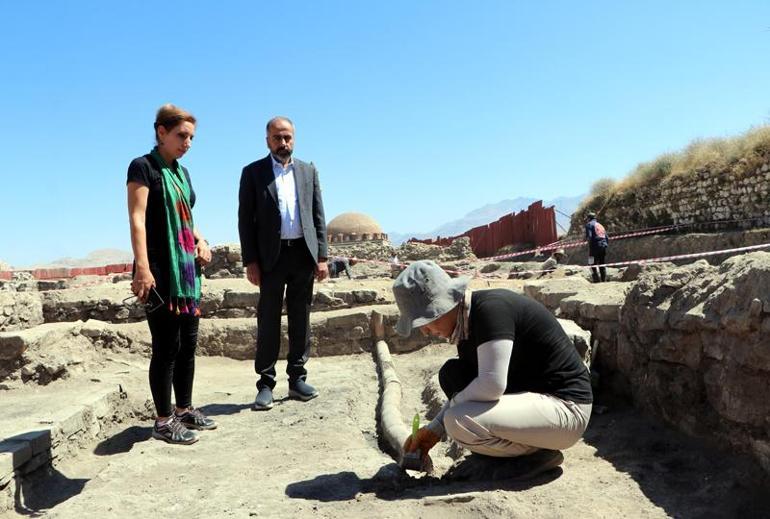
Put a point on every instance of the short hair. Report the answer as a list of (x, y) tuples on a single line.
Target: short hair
[(170, 116), (275, 120)]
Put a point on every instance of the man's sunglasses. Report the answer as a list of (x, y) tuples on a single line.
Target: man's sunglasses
[(154, 301)]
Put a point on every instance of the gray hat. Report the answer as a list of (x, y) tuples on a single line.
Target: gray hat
[(424, 292), (560, 252)]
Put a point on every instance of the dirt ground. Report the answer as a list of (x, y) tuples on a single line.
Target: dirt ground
[(322, 459)]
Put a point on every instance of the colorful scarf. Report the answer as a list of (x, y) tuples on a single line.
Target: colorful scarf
[(185, 281)]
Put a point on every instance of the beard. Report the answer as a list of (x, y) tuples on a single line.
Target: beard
[(283, 153)]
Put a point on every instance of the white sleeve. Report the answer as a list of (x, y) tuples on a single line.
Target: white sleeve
[(488, 386)]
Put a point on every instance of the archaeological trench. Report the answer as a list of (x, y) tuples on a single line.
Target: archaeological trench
[(682, 347)]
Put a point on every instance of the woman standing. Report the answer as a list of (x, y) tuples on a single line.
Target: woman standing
[(168, 250)]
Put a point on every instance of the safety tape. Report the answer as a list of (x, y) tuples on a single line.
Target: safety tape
[(578, 243), (636, 262)]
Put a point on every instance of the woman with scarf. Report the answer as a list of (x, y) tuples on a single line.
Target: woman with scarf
[(168, 252)]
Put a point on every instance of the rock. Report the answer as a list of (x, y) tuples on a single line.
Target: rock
[(20, 310)]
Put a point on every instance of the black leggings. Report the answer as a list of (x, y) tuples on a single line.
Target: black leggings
[(599, 273), (174, 338)]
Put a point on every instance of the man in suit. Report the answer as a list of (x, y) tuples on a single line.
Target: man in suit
[(283, 243)]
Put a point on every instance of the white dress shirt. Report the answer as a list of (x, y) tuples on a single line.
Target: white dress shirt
[(288, 202)]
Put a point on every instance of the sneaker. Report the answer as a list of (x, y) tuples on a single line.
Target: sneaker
[(173, 431), (195, 419), (302, 390), (264, 400)]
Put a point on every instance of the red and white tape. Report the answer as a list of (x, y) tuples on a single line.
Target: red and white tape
[(642, 261)]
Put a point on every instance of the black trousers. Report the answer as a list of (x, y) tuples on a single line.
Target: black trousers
[(174, 339), (454, 376), (599, 255), (294, 272)]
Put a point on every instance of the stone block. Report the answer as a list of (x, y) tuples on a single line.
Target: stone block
[(13, 454), (12, 346), (678, 348), (738, 395), (38, 460), (363, 297), (580, 338), (39, 441), (238, 299), (68, 421)]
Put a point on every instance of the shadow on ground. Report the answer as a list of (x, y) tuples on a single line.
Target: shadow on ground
[(391, 483), (223, 409), (123, 441), (684, 476), (43, 490)]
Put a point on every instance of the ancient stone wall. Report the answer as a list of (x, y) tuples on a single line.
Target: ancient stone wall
[(689, 345), (702, 196)]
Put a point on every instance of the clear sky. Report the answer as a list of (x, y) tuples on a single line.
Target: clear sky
[(414, 112)]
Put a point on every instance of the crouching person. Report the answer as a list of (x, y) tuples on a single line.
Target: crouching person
[(517, 388)]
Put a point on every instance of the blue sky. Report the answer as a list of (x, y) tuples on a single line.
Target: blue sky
[(414, 112)]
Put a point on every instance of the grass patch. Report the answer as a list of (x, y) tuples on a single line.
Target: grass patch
[(740, 155)]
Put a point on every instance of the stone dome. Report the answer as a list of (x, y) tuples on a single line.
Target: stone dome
[(354, 227), (348, 223)]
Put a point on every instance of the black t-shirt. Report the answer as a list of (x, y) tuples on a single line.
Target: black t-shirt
[(146, 172), (543, 360)]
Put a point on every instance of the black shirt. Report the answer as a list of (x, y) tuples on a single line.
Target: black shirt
[(543, 360), (146, 172)]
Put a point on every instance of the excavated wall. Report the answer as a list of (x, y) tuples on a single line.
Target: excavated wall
[(687, 344)]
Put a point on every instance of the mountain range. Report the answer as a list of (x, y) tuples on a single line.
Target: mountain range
[(564, 205)]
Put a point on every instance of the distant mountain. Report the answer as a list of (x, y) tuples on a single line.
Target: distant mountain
[(97, 258), (565, 206)]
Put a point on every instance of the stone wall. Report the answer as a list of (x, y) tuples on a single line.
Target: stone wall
[(688, 344), (702, 196), (225, 262)]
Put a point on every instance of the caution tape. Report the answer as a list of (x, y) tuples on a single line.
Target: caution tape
[(578, 243), (639, 261)]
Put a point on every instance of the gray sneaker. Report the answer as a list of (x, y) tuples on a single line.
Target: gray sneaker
[(302, 390), (264, 400), (175, 432), (195, 419)]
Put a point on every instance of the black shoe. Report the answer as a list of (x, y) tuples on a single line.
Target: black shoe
[(264, 400), (302, 390), (490, 468), (174, 431), (194, 419)]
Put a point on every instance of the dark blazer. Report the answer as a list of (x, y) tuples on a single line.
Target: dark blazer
[(259, 219)]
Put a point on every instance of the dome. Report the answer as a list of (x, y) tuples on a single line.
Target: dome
[(353, 223)]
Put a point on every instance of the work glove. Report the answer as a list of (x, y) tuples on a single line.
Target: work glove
[(424, 440)]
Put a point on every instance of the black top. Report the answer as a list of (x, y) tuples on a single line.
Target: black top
[(146, 172), (543, 360)]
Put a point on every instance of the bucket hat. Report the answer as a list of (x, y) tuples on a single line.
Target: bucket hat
[(424, 292), (559, 251)]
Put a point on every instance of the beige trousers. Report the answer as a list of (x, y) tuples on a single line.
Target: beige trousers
[(517, 424)]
